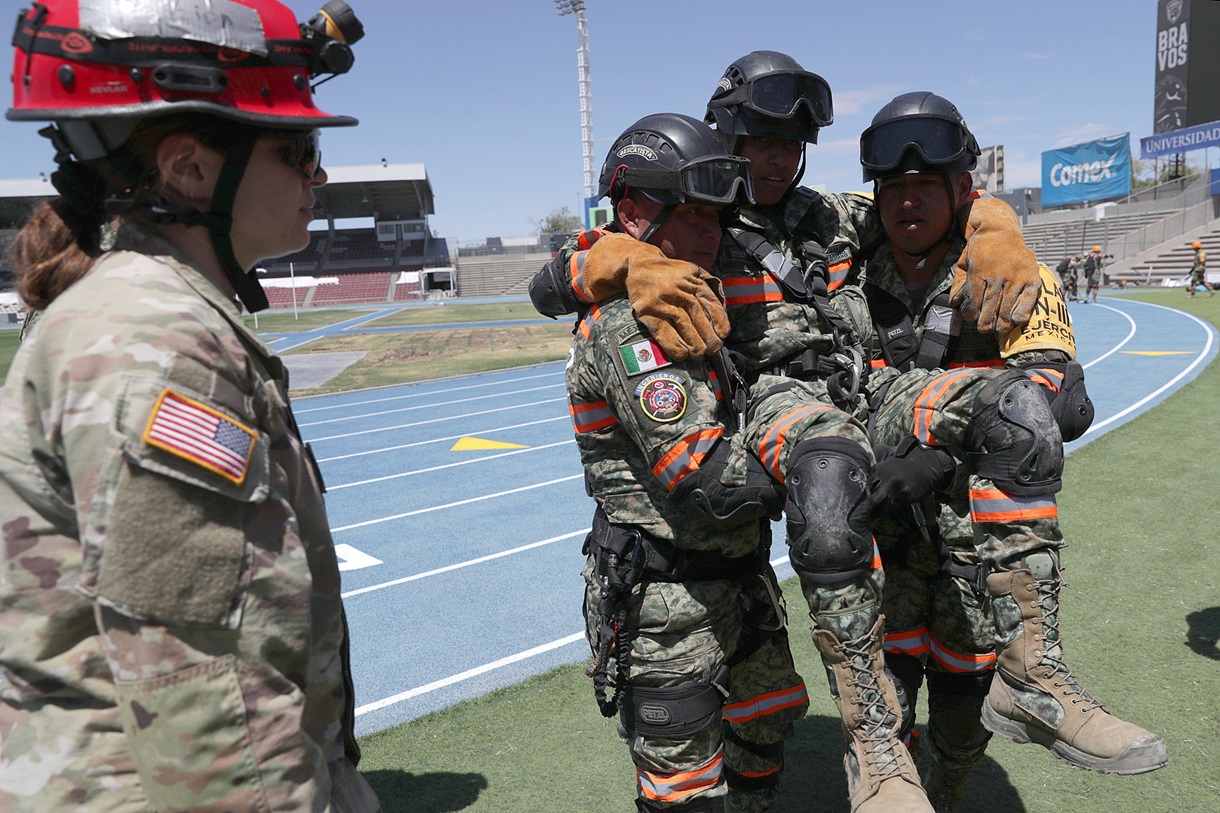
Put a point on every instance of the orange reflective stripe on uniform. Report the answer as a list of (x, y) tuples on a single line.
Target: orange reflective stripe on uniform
[(751, 290), (838, 275), (677, 787), (909, 642), (586, 324), (993, 505), (764, 704), (876, 555), (685, 456), (957, 662), (927, 405), (773, 443), (1046, 377), (716, 386), (587, 238), (576, 267), (878, 364), (591, 417)]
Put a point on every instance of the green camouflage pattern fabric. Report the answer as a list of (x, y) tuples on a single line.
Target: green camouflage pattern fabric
[(681, 632), (172, 635)]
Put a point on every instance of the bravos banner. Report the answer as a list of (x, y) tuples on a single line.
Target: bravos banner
[(1097, 170)]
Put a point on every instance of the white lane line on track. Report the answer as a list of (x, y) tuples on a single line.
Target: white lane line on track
[(423, 394), (319, 333), (450, 465), (1211, 336), (456, 504), (468, 563), (366, 415), (1120, 345), (428, 688), (437, 420), (472, 433), (469, 673)]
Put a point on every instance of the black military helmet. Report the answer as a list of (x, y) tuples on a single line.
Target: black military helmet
[(917, 132), (769, 94), (675, 159)]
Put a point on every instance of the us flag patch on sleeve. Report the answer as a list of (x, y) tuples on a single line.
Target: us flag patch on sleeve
[(195, 432)]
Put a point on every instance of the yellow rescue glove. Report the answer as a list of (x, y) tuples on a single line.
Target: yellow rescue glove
[(996, 282), (681, 304)]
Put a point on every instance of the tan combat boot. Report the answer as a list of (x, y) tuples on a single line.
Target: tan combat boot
[(881, 777), (1034, 696)]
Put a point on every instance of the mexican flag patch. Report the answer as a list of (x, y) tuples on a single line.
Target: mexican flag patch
[(642, 357)]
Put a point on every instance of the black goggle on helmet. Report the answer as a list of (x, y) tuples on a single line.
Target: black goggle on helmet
[(917, 132), (675, 159), (769, 95)]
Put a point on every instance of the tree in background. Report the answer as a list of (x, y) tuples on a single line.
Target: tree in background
[(559, 221)]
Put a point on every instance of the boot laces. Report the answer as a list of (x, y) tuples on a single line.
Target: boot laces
[(878, 724), (1052, 647)]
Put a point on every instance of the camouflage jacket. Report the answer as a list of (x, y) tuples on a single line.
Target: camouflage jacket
[(172, 635), (767, 327), (1047, 337), (642, 425)]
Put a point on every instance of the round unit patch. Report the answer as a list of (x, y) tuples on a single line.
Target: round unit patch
[(662, 396)]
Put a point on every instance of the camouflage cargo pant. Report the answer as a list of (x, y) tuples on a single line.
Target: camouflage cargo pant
[(683, 633), (977, 521), (782, 414)]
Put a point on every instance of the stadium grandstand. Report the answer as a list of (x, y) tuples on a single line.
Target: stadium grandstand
[(392, 255), (1148, 232)]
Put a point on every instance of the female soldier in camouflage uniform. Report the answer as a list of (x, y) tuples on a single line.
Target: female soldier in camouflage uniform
[(173, 633)]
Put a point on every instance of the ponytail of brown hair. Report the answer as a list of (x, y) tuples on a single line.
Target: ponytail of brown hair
[(46, 257)]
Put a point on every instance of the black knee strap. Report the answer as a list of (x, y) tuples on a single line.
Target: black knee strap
[(828, 509), (672, 713), (1013, 439), (737, 781), (969, 684)]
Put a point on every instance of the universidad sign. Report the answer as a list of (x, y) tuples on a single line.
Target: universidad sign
[(1096, 170), (1184, 140)]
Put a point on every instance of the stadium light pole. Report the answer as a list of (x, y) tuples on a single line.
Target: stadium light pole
[(577, 8)]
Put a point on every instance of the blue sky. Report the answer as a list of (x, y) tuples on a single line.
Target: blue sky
[(485, 94)]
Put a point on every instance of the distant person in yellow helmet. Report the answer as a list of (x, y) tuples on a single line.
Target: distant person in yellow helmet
[(1198, 271), (1093, 265)]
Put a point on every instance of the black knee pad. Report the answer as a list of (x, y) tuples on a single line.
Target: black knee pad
[(1013, 438), (673, 713), (828, 508), (1071, 405)]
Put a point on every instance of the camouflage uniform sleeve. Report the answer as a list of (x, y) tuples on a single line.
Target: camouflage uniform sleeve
[(846, 223), (643, 424), (152, 435)]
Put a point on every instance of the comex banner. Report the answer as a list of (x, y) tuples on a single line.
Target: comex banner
[(1098, 170)]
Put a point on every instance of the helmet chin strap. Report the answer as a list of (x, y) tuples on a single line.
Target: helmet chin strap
[(245, 284), (657, 222)]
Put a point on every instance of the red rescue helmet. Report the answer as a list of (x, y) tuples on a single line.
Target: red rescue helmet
[(1196, 244), (245, 60)]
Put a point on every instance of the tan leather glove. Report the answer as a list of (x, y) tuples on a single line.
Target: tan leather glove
[(681, 304), (996, 282)]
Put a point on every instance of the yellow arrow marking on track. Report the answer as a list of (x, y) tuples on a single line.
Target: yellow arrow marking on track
[(1156, 352), (479, 444)]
